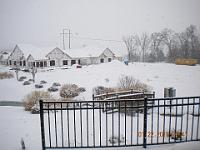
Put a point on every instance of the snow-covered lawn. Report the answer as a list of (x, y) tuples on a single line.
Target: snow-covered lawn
[(15, 123), (186, 79)]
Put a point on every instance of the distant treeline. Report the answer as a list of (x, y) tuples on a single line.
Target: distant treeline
[(166, 45)]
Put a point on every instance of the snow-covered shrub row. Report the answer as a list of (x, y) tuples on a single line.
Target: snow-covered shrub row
[(102, 90), (125, 83), (70, 90), (129, 82), (6, 75), (31, 101)]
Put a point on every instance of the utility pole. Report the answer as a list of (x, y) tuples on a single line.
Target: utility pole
[(69, 34)]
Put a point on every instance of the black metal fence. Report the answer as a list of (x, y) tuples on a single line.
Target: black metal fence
[(119, 122)]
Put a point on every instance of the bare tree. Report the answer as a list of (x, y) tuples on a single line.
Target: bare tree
[(143, 42), (170, 40), (189, 42), (17, 69), (33, 72), (131, 44), (156, 47)]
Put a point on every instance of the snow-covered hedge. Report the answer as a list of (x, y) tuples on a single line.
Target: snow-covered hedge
[(6, 75), (102, 90)]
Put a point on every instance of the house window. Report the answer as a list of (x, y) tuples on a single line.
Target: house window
[(10, 62), (52, 63), (24, 63), (41, 64), (79, 61), (109, 59), (15, 63), (101, 60), (65, 62), (45, 63), (20, 63), (37, 64), (73, 62), (33, 64)]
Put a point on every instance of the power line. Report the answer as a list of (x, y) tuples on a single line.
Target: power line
[(97, 39), (69, 38)]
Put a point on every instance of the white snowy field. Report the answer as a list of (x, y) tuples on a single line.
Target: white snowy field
[(186, 79), (15, 123)]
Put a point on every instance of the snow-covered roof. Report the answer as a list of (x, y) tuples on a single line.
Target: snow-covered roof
[(91, 51), (5, 56), (36, 52)]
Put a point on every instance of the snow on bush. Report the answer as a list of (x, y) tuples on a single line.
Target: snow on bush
[(129, 82), (31, 101), (26, 83), (102, 90), (6, 75), (70, 90)]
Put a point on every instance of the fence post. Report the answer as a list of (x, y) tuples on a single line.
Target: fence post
[(145, 123), (93, 97), (154, 94), (42, 124)]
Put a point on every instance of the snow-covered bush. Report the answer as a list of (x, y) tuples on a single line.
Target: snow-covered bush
[(102, 90), (6, 75), (26, 83), (129, 82), (21, 78), (70, 90), (81, 89), (116, 139), (56, 84), (43, 82), (38, 86), (32, 100), (53, 89)]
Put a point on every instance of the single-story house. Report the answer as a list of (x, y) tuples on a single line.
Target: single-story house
[(91, 55), (28, 56)]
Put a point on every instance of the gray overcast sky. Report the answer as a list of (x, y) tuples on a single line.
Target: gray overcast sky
[(40, 22)]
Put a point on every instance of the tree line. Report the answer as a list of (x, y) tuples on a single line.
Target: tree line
[(166, 45)]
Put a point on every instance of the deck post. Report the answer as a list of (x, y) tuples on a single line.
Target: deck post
[(42, 124)]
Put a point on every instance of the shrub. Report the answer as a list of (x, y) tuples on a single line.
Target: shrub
[(81, 89), (43, 82), (26, 83), (31, 80), (38, 86), (56, 84), (31, 101), (6, 75), (22, 77), (129, 82), (52, 89), (102, 90), (69, 90)]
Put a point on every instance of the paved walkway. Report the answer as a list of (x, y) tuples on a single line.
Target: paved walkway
[(10, 103)]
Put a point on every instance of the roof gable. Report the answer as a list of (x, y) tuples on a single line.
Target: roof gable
[(87, 52), (36, 52), (57, 51)]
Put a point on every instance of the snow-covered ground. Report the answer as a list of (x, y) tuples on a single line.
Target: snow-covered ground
[(16, 123), (186, 79)]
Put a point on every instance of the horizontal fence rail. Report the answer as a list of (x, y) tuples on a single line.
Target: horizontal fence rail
[(119, 122)]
